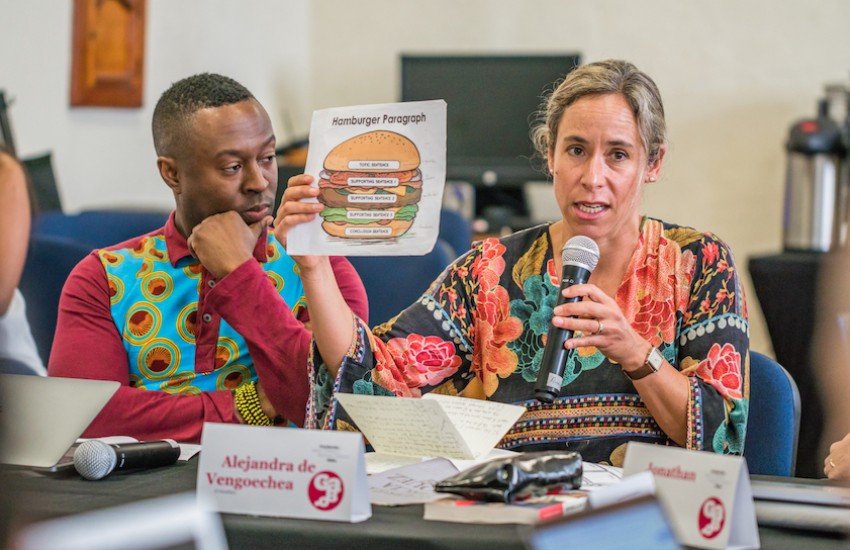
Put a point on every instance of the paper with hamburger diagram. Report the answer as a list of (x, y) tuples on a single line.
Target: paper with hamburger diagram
[(381, 170)]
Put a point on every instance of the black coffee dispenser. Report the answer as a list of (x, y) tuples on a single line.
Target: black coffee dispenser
[(812, 213)]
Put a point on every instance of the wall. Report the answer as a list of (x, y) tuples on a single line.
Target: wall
[(734, 76), (104, 157)]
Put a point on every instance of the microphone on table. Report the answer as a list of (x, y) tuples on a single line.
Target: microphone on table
[(95, 459), (579, 257)]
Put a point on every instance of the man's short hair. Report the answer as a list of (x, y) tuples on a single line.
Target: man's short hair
[(177, 105)]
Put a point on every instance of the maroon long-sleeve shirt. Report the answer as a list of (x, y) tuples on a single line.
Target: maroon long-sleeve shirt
[(87, 344)]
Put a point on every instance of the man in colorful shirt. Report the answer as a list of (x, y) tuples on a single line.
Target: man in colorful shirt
[(203, 319)]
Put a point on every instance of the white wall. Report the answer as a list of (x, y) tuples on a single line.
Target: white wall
[(734, 76), (104, 157)]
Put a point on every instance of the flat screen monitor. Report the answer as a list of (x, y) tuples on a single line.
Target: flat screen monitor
[(491, 103)]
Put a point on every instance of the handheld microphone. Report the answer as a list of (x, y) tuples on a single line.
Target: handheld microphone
[(96, 459), (579, 257)]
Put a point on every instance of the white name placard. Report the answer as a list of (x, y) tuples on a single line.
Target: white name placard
[(284, 472), (707, 496)]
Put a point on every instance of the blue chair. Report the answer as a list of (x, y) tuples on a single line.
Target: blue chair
[(49, 261), (394, 282), (773, 426), (98, 228), (456, 231)]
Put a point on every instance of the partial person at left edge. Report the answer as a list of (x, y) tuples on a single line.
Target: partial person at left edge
[(204, 319), (18, 351)]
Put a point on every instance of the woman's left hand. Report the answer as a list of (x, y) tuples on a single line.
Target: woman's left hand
[(602, 325)]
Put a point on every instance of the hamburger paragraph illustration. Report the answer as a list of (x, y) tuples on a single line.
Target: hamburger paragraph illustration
[(380, 170), (358, 180)]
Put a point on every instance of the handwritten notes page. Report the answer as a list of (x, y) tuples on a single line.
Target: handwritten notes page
[(410, 484), (595, 476), (434, 425), (381, 462)]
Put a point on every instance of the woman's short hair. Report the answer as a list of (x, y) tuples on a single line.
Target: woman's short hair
[(612, 76)]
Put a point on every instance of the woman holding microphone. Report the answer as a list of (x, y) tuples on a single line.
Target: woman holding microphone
[(659, 346)]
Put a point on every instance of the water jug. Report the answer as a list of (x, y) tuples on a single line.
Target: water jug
[(814, 154)]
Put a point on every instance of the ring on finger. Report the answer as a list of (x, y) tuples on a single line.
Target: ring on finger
[(601, 328), (831, 463)]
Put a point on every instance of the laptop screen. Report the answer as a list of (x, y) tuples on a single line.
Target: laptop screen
[(41, 417), (640, 523)]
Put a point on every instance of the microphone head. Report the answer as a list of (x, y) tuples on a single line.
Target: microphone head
[(94, 459), (582, 251)]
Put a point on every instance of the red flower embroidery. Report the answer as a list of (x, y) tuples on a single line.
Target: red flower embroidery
[(496, 328), (710, 253), (386, 375), (722, 369), (554, 278), (660, 287), (656, 320), (490, 265), (428, 360)]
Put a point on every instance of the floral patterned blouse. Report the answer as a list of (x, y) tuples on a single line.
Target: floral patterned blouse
[(480, 330)]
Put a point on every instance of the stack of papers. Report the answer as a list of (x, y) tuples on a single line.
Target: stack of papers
[(420, 441)]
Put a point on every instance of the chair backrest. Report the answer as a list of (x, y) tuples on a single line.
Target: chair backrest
[(40, 170), (394, 282), (455, 230), (49, 261), (99, 228), (773, 425)]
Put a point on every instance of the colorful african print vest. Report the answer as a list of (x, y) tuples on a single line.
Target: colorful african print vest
[(155, 306)]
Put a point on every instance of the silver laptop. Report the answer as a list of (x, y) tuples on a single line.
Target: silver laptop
[(800, 490), (41, 417)]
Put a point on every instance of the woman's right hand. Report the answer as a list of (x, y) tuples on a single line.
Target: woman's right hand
[(295, 209)]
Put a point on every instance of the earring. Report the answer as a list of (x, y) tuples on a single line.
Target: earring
[(650, 179)]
